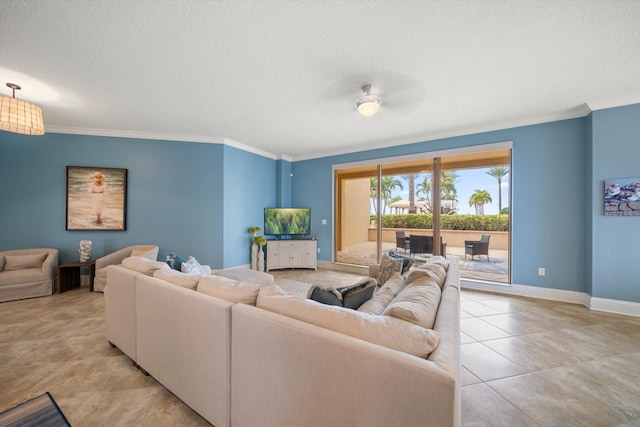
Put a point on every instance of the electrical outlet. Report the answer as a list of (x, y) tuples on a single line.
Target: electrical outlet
[(318, 250), (324, 222), (541, 271)]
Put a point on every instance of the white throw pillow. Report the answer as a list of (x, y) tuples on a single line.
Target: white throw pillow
[(19, 262), (229, 289), (143, 265), (192, 266), (175, 277), (385, 331), (384, 296), (417, 303)]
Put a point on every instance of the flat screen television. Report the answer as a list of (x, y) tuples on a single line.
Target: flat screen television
[(287, 221)]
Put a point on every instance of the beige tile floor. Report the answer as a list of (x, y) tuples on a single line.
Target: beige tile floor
[(525, 362)]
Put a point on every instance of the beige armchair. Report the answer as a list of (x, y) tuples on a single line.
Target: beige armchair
[(27, 273), (149, 252)]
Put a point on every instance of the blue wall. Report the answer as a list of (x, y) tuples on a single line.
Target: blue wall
[(548, 202), (176, 195), (200, 199), (615, 242), (249, 187)]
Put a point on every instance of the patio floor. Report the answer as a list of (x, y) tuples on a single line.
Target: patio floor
[(496, 269)]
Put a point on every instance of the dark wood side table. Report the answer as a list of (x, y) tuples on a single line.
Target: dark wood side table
[(69, 275)]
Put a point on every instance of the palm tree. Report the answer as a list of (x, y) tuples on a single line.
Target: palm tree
[(498, 173), (411, 180), (373, 194), (448, 189), (478, 199), (424, 188), (389, 183)]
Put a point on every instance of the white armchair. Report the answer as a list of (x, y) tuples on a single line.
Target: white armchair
[(27, 273), (149, 252)]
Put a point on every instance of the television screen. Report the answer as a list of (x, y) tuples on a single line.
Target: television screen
[(291, 221)]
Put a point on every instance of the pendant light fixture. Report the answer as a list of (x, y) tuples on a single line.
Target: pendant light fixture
[(368, 104), (20, 116)]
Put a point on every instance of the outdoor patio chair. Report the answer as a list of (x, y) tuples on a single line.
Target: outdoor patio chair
[(402, 241), (477, 247)]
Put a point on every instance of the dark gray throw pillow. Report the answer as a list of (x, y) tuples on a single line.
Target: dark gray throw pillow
[(355, 295), (325, 296), (347, 296)]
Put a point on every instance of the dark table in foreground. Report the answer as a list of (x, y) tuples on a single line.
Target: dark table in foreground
[(69, 275)]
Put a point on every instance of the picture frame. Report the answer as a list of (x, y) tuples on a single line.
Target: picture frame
[(96, 199), (622, 197)]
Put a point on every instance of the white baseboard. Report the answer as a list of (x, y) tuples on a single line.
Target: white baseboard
[(574, 297), (527, 291), (614, 306)]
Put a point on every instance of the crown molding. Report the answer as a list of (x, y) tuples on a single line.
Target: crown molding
[(614, 102), (577, 112), (161, 137)]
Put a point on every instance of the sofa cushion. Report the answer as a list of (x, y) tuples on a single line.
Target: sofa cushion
[(143, 265), (385, 331), (229, 290), (246, 275), (417, 303), (20, 262), (379, 302), (142, 252), (388, 266), (433, 271), (439, 260), (183, 280), (192, 266)]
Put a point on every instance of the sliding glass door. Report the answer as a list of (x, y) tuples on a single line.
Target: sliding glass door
[(460, 200)]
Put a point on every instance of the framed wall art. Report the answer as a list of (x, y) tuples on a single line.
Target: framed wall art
[(622, 197), (96, 198)]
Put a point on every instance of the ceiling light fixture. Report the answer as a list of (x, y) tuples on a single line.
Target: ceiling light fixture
[(20, 116), (368, 104)]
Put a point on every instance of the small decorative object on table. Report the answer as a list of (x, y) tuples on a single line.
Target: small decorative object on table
[(84, 250)]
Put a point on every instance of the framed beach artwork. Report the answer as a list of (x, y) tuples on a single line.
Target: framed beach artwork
[(96, 198), (622, 197)]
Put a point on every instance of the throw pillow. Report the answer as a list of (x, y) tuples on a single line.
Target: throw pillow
[(388, 266), (327, 296), (229, 289), (416, 304), (19, 262), (192, 266), (407, 261), (355, 295), (174, 261)]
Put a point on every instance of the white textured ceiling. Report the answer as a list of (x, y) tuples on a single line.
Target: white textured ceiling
[(283, 76)]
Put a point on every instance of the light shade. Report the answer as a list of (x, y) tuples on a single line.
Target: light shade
[(368, 104), (368, 107), (20, 116)]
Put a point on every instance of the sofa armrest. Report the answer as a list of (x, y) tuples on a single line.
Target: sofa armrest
[(113, 258), (50, 263)]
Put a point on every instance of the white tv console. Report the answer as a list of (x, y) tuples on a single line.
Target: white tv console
[(292, 253)]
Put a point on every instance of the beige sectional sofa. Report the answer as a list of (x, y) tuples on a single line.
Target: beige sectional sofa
[(287, 361)]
